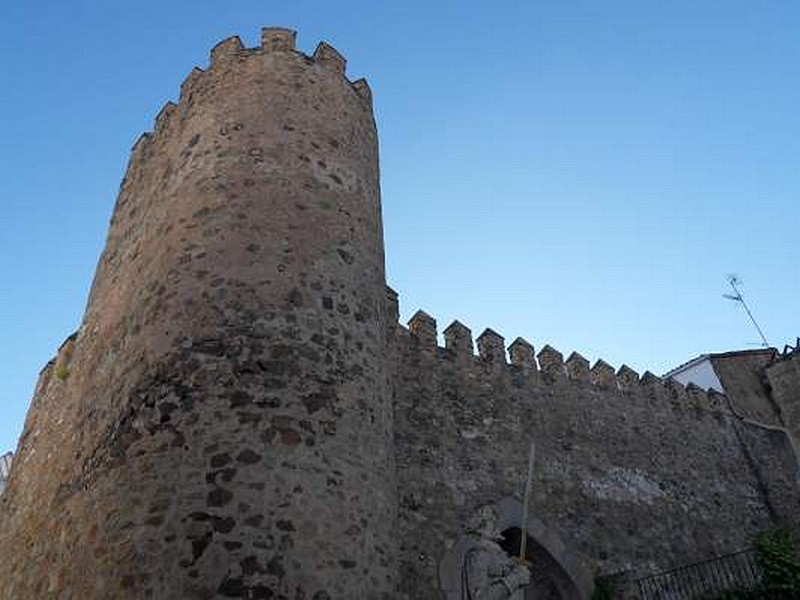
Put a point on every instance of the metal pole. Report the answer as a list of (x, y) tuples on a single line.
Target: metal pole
[(740, 298)]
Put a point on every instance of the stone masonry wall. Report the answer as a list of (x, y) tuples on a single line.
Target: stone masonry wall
[(631, 473), (220, 426), (240, 416), (784, 380), (743, 376)]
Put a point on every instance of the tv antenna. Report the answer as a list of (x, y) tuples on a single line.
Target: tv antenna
[(737, 296)]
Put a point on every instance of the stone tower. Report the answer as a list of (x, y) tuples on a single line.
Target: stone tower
[(220, 425)]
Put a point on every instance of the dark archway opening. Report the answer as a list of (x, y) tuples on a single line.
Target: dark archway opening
[(548, 580)]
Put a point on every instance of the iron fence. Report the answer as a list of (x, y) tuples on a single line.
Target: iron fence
[(703, 579)]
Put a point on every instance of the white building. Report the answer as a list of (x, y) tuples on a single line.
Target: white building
[(699, 371)]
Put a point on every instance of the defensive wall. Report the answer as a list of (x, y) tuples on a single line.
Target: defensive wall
[(241, 416), (633, 473)]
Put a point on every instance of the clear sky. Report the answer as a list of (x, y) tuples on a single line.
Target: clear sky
[(579, 173)]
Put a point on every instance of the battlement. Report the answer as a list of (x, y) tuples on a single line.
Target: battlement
[(549, 367), (278, 39), (241, 414), (276, 42)]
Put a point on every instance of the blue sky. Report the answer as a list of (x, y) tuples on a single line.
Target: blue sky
[(582, 174)]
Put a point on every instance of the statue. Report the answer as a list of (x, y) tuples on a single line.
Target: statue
[(485, 571)]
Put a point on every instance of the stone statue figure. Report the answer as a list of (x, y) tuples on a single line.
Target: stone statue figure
[(485, 570)]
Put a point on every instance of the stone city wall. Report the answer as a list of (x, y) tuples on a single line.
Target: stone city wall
[(631, 474), (239, 414)]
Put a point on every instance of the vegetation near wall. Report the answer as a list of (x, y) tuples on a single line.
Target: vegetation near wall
[(776, 555)]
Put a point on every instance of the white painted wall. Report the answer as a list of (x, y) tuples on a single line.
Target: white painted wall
[(700, 373)]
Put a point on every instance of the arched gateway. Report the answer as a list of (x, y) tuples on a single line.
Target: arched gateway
[(555, 573)]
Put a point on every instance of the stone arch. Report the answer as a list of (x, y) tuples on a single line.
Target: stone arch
[(562, 575)]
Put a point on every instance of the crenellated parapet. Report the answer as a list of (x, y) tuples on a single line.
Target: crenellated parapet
[(229, 54), (241, 414), (548, 366)]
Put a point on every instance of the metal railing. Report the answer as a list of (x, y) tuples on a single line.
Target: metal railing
[(703, 579)]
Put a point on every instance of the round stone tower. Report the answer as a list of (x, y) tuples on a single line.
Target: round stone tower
[(220, 426)]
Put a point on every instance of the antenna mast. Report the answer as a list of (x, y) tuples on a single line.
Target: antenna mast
[(737, 296)]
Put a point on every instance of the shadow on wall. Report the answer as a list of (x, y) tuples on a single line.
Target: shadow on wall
[(548, 580), (558, 565)]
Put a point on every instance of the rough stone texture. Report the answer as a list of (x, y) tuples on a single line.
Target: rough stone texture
[(627, 377), (551, 363), (458, 341), (743, 377), (492, 348), (603, 375), (423, 327), (783, 377), (639, 480), (241, 416), (578, 368), (523, 355), (221, 424)]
